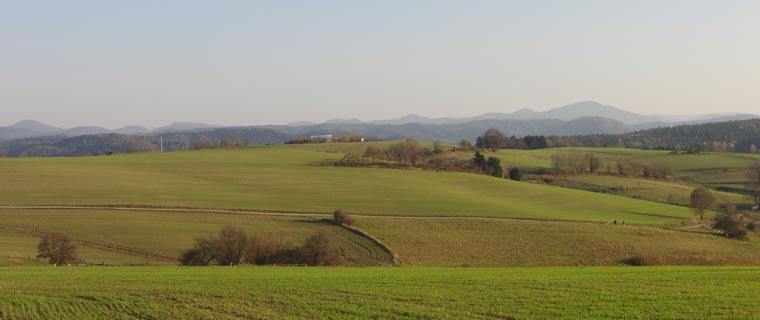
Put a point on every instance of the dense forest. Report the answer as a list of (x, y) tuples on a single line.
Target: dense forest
[(730, 136), (112, 143)]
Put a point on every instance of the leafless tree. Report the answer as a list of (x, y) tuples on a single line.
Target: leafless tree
[(373, 153), (753, 182), (702, 200), (57, 249), (202, 253), (204, 143), (264, 250), (316, 251), (230, 246)]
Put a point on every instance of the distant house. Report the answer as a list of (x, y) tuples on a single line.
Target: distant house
[(322, 138)]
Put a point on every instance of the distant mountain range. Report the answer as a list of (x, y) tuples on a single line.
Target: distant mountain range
[(32, 138), (584, 109), (32, 128)]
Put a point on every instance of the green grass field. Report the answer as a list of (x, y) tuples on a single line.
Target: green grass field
[(379, 293), (424, 216), (140, 237), (481, 243), (723, 172), (649, 189), (286, 178)]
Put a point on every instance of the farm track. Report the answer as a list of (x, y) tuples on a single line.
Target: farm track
[(277, 214)]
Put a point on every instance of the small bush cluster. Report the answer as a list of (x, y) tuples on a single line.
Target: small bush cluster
[(232, 246), (343, 218)]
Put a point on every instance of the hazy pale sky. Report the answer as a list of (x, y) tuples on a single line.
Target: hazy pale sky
[(117, 63)]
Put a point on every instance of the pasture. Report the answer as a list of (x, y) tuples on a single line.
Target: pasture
[(492, 243), (288, 178), (378, 293), (723, 172), (157, 238)]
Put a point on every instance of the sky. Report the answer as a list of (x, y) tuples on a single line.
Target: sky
[(118, 63)]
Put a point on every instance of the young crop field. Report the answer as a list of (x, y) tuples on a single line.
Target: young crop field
[(152, 237), (647, 189), (378, 293), (286, 178), (489, 243)]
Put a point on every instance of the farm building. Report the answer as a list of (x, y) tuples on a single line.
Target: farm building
[(322, 138)]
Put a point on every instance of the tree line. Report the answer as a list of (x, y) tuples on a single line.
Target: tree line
[(583, 163), (232, 246), (411, 154), (494, 139), (729, 136)]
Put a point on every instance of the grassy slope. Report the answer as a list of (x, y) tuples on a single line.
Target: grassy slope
[(720, 171), (524, 243), (652, 190), (129, 237), (351, 293), (283, 178)]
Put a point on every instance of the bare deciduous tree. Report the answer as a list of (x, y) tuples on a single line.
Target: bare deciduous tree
[(264, 250), (57, 249), (316, 251), (202, 253), (702, 200), (204, 143), (753, 182), (230, 246), (373, 153), (465, 144)]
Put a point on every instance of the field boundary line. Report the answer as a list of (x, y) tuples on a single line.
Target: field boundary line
[(394, 256), (279, 213)]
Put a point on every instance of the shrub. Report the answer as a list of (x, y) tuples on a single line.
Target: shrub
[(515, 174), (641, 261), (343, 218), (264, 250), (730, 227), (202, 253)]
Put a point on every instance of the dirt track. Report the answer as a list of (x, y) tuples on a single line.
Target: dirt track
[(282, 214)]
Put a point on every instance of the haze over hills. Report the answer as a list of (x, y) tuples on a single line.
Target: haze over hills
[(33, 128), (31, 137), (583, 109)]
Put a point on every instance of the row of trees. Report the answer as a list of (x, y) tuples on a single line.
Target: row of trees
[(207, 143), (411, 153), (581, 163), (408, 152), (233, 246), (495, 139)]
